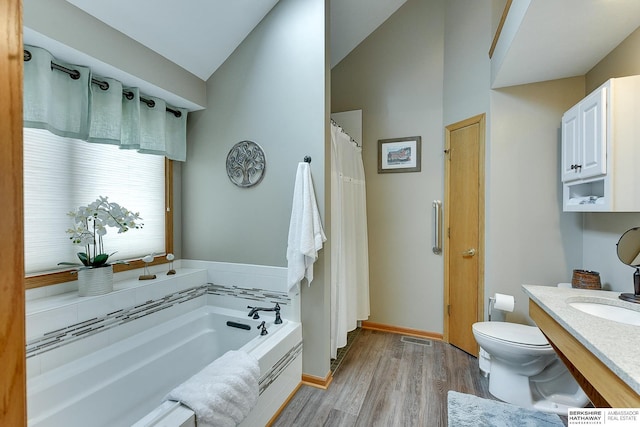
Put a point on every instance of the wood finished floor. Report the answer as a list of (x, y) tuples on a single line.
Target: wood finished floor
[(383, 381)]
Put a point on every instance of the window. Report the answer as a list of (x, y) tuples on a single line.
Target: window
[(61, 174)]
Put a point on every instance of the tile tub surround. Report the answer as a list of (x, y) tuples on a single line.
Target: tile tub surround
[(61, 310), (246, 279), (615, 344)]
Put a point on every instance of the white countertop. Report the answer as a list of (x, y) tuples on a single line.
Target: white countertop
[(616, 344)]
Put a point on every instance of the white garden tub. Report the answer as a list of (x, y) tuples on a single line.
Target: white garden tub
[(124, 383)]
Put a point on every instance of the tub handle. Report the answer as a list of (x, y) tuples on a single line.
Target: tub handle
[(264, 328)]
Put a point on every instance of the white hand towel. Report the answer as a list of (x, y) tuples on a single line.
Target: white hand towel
[(224, 392), (306, 235)]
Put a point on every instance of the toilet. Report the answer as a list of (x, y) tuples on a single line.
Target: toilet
[(524, 369)]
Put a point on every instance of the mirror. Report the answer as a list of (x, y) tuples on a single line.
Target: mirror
[(629, 254), (629, 247)]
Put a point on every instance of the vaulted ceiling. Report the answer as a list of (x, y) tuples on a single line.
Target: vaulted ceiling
[(200, 35)]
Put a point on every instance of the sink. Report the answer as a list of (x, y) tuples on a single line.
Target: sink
[(610, 312)]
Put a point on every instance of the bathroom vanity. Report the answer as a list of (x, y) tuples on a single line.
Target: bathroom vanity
[(601, 353)]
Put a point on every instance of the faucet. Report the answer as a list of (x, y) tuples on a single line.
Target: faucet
[(254, 312), (264, 328)]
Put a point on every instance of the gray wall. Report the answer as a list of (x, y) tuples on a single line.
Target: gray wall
[(602, 230), (395, 76), (423, 69), (271, 91), (527, 238)]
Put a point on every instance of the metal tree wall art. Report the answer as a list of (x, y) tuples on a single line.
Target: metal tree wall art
[(246, 164)]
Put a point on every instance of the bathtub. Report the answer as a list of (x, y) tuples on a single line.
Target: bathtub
[(123, 384)]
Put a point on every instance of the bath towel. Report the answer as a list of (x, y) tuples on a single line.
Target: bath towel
[(306, 235), (224, 392)]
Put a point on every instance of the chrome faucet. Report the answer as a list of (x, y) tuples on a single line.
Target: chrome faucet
[(254, 312)]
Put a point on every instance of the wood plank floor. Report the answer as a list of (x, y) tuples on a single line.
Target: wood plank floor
[(384, 381)]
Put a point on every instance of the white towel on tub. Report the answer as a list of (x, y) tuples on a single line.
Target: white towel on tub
[(224, 392), (306, 235)]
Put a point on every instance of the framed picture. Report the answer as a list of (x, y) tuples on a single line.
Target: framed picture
[(399, 155)]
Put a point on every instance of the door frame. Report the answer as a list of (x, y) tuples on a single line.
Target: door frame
[(12, 310), (480, 120)]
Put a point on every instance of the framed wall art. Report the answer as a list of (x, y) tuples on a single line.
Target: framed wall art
[(399, 154)]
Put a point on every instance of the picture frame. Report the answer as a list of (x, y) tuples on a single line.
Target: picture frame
[(399, 154)]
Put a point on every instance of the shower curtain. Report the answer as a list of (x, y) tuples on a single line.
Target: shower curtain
[(349, 250)]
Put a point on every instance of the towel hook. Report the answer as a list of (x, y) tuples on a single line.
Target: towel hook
[(307, 159)]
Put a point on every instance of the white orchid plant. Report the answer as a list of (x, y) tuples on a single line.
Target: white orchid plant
[(90, 226)]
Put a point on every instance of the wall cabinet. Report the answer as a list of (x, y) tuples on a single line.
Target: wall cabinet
[(601, 149), (584, 138)]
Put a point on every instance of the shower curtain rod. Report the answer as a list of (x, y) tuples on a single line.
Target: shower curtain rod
[(75, 75), (333, 122)]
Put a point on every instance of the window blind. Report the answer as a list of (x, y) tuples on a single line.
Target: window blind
[(61, 174)]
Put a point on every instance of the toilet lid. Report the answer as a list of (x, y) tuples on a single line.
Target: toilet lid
[(512, 332)]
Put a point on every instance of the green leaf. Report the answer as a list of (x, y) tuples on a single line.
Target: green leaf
[(84, 258), (100, 259)]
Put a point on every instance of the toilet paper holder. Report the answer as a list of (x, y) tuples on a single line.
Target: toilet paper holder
[(492, 303)]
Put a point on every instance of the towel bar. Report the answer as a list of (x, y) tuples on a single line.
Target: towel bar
[(437, 227)]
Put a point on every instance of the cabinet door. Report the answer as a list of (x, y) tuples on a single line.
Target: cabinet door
[(570, 144), (593, 123)]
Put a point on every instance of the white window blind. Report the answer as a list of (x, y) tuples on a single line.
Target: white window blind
[(61, 174)]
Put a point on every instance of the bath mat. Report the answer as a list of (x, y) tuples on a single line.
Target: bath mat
[(467, 410)]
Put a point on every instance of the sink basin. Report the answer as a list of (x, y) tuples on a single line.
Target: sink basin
[(610, 312)]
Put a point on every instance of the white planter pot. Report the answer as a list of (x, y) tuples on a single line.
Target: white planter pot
[(95, 281)]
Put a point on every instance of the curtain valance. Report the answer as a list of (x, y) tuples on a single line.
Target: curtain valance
[(98, 109)]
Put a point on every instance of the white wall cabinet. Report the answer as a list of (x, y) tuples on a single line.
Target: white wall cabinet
[(584, 138), (600, 166)]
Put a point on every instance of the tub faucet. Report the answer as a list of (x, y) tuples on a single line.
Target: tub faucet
[(254, 312), (264, 328)]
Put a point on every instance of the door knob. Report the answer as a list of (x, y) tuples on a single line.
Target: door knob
[(469, 252)]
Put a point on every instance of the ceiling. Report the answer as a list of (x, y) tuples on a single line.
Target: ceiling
[(200, 35), (546, 40), (542, 39)]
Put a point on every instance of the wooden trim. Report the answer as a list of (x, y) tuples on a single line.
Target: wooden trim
[(496, 36), (13, 407), (283, 406), (481, 213), (600, 384), (317, 382), (401, 331), (480, 119), (57, 277), (68, 275)]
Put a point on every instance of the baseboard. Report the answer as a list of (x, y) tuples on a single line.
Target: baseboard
[(284, 405), (317, 382), (310, 380), (402, 331)]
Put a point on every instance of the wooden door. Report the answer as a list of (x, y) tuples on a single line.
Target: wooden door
[(464, 231)]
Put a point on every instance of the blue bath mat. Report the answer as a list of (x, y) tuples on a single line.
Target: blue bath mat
[(466, 410)]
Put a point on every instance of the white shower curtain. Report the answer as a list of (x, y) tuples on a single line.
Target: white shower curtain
[(349, 250)]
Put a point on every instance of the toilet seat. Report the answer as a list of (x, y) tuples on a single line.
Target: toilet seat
[(513, 333)]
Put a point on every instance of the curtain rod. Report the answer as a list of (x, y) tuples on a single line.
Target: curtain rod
[(75, 75), (333, 122)]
